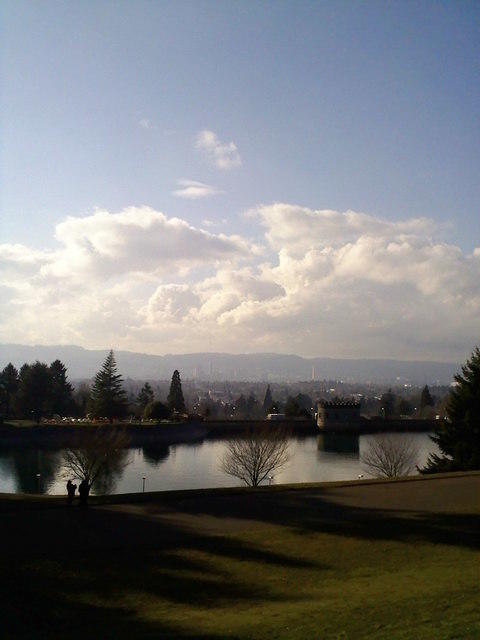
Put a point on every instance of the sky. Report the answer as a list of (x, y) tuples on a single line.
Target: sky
[(292, 177)]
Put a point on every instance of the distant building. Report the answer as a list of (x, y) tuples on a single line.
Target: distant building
[(338, 415)]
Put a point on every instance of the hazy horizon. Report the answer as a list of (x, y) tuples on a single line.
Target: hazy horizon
[(220, 353)]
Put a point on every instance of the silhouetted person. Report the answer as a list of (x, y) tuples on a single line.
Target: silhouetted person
[(71, 488), (83, 490)]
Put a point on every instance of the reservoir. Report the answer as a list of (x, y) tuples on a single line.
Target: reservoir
[(314, 458)]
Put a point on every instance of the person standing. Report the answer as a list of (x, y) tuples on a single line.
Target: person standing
[(83, 490), (71, 488)]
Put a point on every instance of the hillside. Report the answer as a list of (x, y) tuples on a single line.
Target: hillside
[(84, 363)]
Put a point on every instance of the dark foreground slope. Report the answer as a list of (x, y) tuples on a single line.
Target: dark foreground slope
[(364, 560)]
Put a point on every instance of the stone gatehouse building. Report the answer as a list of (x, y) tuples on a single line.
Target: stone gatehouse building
[(338, 415)]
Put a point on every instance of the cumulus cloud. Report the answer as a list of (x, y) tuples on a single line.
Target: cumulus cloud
[(193, 190), (224, 156), (324, 283), (138, 240)]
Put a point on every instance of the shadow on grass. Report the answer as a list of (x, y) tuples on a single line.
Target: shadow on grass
[(130, 574), (70, 571), (309, 511)]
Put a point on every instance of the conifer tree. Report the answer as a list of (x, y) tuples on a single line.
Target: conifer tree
[(426, 399), (9, 386), (176, 401), (268, 400), (108, 396), (61, 391), (458, 437), (34, 390), (145, 396)]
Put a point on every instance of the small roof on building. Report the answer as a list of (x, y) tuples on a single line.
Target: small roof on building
[(339, 403)]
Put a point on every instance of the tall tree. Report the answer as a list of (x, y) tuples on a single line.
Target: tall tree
[(426, 399), (145, 396), (458, 437), (61, 391), (109, 399), (9, 385), (268, 400), (34, 390), (176, 401)]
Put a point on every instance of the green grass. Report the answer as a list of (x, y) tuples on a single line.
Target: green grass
[(315, 563)]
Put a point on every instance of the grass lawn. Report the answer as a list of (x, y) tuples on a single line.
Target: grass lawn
[(383, 560)]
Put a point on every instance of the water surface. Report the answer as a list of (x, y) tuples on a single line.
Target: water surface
[(317, 458)]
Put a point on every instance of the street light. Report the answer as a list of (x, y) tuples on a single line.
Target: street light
[(38, 483), (143, 479)]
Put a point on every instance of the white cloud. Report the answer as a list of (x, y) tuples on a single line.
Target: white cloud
[(225, 156), (325, 283), (138, 240), (193, 190)]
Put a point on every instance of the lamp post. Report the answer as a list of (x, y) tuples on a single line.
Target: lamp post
[(143, 481), (38, 483)]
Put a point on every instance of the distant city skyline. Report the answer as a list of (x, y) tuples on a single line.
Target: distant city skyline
[(287, 177)]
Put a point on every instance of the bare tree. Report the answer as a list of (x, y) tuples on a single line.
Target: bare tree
[(256, 455), (390, 456), (96, 457)]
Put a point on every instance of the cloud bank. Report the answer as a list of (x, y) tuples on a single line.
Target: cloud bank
[(318, 282)]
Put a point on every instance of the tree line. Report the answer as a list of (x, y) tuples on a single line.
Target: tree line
[(40, 390)]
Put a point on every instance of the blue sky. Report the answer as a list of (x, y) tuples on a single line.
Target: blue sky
[(371, 107)]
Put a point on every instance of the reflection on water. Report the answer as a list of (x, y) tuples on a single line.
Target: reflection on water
[(338, 443), (111, 473), (319, 458), (32, 470), (155, 454)]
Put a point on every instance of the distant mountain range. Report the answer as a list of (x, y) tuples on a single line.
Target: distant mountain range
[(84, 363)]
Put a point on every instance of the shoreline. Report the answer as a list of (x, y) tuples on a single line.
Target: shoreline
[(186, 432), (59, 500)]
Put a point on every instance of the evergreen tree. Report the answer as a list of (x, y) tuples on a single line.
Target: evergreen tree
[(426, 399), (458, 437), (305, 403), (9, 386), (108, 396), (34, 390), (175, 398), (145, 396), (61, 391), (268, 400)]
